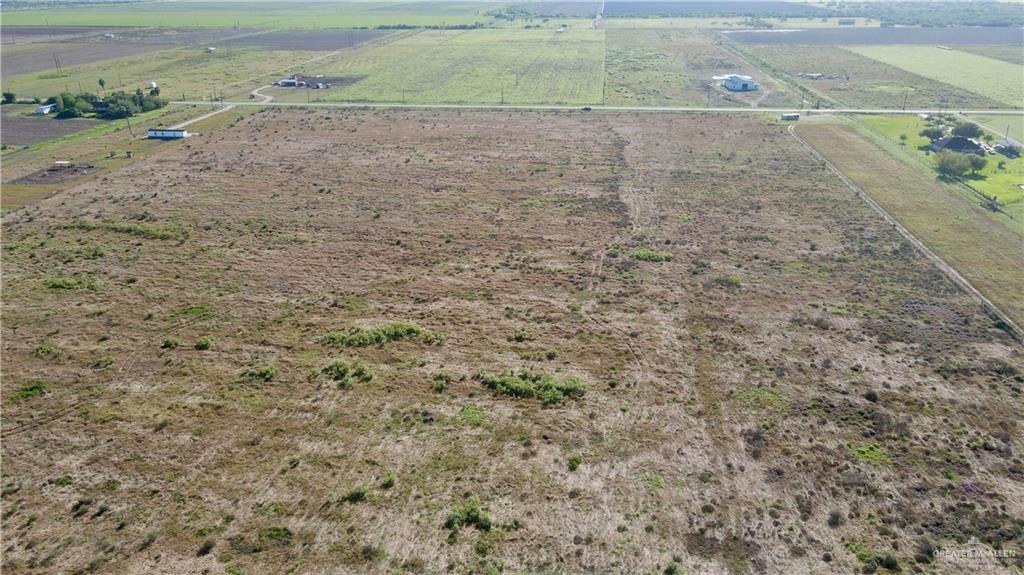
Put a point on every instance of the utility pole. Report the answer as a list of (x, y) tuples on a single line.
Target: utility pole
[(906, 93), (130, 132), (503, 95), (707, 89)]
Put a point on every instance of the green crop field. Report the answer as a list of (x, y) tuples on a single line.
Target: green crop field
[(270, 14), (996, 79), (179, 71), (444, 66), (1013, 54)]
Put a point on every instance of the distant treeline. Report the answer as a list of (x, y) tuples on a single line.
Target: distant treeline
[(472, 26), (942, 13), (114, 106)]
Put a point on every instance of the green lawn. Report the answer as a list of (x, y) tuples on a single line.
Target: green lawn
[(997, 79), (178, 71), (992, 180), (266, 14), (438, 66)]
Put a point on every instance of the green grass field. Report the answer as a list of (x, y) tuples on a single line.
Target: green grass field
[(720, 22), (270, 14), (996, 79), (643, 69), (178, 71), (999, 125), (1001, 182), (1012, 54), (437, 66)]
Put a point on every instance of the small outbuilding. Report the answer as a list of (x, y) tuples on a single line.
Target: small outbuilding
[(790, 117), (46, 109), (738, 83), (167, 134)]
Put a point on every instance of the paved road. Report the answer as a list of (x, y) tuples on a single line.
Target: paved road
[(1005, 112)]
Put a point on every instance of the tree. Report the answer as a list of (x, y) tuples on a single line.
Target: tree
[(968, 130), (8, 97), (977, 162), (103, 86), (903, 139), (951, 164), (932, 133)]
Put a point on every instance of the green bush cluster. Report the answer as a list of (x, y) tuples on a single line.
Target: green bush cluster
[(34, 389), (527, 383), (363, 337), (442, 380), (346, 373), (260, 373), (469, 513), (646, 255), (71, 283), (142, 230)]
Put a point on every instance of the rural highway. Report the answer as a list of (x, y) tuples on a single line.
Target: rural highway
[(558, 107)]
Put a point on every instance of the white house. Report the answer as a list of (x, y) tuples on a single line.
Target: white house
[(45, 109), (167, 133), (737, 83)]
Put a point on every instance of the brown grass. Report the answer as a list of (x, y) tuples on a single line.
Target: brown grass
[(718, 431)]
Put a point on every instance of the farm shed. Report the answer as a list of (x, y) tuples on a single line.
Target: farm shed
[(738, 83), (167, 134), (45, 109)]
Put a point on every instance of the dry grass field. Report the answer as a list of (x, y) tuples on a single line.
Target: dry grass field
[(278, 347)]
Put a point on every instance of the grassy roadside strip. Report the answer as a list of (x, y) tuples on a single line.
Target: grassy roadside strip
[(984, 251)]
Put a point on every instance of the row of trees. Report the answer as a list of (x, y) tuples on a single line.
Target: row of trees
[(954, 164), (114, 106)]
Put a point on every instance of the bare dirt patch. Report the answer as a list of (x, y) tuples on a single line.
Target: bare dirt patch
[(17, 128), (312, 40), (265, 346), (56, 174)]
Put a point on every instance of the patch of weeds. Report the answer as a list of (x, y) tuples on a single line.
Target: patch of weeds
[(204, 343), (142, 230), (574, 462), (363, 337), (75, 282), (34, 389), (470, 513), (648, 255), (102, 362), (699, 266), (170, 343), (357, 494), (723, 281), (527, 383), (192, 311), (472, 415), (347, 373), (442, 380), (81, 507), (206, 547), (652, 480), (278, 534), (520, 336), (761, 398), (388, 482), (871, 453), (263, 373), (44, 349), (859, 550)]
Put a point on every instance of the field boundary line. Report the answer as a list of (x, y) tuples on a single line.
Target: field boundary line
[(937, 261)]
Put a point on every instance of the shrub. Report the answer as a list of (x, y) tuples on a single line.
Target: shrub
[(529, 384), (102, 362), (442, 380), (871, 454), (388, 482), (71, 283), (520, 336), (347, 373), (575, 461), (471, 414), (170, 343), (725, 281), (356, 494), (363, 337), (44, 349), (951, 164), (835, 519), (34, 389), (282, 534), (204, 343), (260, 373), (468, 514), (142, 230), (647, 255), (871, 395)]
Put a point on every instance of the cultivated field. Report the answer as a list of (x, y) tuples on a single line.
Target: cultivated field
[(277, 347), (1013, 54), (268, 14), (847, 36), (20, 126), (478, 66), (851, 79), (988, 77), (983, 249)]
